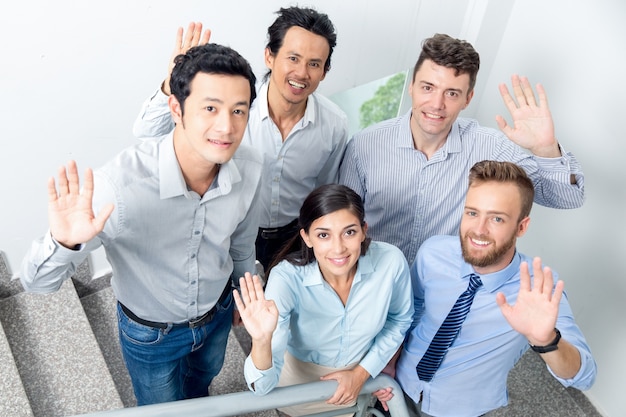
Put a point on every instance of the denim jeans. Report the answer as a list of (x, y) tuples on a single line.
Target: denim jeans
[(175, 363)]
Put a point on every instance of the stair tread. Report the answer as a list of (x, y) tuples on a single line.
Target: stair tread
[(56, 354), (14, 400)]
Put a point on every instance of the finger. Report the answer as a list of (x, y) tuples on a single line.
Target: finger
[(507, 98), (72, 178), (543, 97), (258, 287), (62, 181), (197, 32), (558, 292), (238, 301), (548, 280), (52, 191), (179, 40), (243, 288), (518, 91), (524, 276), (87, 184), (188, 37), (529, 94), (100, 220), (206, 37), (539, 281)]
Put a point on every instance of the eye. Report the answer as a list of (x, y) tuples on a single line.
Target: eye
[(322, 235), (314, 64), (498, 219), (350, 232), (453, 94), (293, 59), (239, 112), (427, 88), (210, 108), (471, 213)]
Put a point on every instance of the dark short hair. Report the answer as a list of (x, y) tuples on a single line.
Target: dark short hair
[(505, 172), (308, 19), (210, 58), (449, 52), (323, 200)]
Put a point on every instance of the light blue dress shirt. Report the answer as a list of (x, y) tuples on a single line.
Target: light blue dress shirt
[(472, 378), (315, 326), (409, 198), (172, 251), (308, 157)]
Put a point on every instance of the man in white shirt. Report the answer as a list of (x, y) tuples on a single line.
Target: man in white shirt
[(301, 134)]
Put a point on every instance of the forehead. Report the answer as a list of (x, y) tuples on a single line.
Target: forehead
[(226, 88), (494, 197), (337, 219), (303, 42), (441, 76)]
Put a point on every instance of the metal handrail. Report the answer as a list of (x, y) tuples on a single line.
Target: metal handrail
[(247, 402)]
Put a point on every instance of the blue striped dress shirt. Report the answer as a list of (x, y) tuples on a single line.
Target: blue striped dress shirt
[(409, 198)]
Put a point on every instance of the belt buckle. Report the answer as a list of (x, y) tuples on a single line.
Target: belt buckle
[(198, 321), (268, 233)]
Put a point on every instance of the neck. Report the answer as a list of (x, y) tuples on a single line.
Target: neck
[(197, 172)]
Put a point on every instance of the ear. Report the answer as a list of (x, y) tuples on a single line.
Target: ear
[(305, 236), (269, 58), (523, 226), (469, 98), (364, 231), (175, 109)]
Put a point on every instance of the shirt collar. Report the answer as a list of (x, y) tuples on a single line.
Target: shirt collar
[(493, 281), (453, 141), (171, 180), (264, 111)]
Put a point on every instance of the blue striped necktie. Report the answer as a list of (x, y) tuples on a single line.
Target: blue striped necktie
[(448, 331)]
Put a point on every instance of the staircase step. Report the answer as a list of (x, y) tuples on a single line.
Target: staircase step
[(100, 308), (56, 354), (14, 400)]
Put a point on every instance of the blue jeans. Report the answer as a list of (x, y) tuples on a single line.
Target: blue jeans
[(175, 363)]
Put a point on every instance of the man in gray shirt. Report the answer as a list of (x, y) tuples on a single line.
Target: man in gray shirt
[(176, 219)]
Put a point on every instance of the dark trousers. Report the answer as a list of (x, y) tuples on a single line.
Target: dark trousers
[(270, 241)]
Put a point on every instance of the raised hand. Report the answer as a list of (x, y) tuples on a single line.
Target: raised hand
[(259, 315), (70, 211), (533, 127), (193, 37), (537, 307)]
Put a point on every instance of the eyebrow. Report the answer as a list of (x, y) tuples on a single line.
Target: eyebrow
[(220, 101), (500, 213), (326, 228)]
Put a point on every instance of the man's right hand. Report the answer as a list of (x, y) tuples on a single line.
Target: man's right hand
[(193, 37), (70, 211)]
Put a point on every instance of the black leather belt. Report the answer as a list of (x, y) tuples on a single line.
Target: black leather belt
[(192, 324), (279, 232)]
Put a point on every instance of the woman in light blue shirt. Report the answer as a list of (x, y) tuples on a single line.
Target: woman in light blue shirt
[(336, 305)]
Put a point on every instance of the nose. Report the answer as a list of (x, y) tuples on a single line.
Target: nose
[(338, 245), (438, 101), (481, 226), (224, 122), (302, 69)]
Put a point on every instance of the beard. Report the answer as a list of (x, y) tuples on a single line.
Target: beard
[(492, 257)]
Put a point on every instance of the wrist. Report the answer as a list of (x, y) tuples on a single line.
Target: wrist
[(552, 346)]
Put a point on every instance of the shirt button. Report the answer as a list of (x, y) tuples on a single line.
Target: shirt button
[(197, 232), (193, 282), (193, 303), (193, 256)]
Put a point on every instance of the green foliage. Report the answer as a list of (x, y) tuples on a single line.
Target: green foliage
[(385, 102)]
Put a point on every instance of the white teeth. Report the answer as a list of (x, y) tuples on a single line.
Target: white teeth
[(433, 116), (480, 242), (296, 84)]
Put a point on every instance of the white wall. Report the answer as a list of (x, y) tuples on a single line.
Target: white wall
[(576, 50), (74, 74)]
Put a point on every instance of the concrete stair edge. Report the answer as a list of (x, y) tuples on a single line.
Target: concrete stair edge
[(56, 354)]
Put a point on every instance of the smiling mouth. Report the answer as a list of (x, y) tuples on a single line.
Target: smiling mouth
[(432, 116), (482, 243), (219, 142), (296, 84)]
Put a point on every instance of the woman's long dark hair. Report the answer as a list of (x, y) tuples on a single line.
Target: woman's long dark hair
[(320, 202)]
